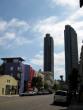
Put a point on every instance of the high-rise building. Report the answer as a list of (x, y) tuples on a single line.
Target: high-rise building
[(71, 50), (49, 54), (81, 3), (81, 66)]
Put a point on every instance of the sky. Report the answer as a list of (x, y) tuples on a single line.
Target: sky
[(24, 23)]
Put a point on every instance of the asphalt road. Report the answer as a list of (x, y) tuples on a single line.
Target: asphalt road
[(43, 102)]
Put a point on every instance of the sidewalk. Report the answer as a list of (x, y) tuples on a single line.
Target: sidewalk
[(75, 105), (9, 95)]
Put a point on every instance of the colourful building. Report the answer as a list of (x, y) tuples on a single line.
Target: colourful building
[(26, 79), (22, 72), (13, 66)]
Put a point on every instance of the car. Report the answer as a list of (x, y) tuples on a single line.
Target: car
[(43, 92), (29, 93), (23, 94), (32, 92), (60, 96), (39, 93)]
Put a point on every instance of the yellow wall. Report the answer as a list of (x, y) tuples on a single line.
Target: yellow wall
[(6, 80)]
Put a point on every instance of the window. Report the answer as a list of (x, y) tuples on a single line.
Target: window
[(11, 68), (8, 81), (2, 90), (61, 93), (15, 60), (18, 68)]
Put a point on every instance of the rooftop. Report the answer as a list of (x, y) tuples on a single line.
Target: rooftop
[(11, 58)]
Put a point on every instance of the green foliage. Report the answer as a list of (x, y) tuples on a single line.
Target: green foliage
[(46, 86), (34, 81), (39, 71), (56, 86), (37, 82), (73, 79)]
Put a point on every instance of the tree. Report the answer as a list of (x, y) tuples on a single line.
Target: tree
[(46, 86), (73, 80), (55, 87), (73, 84), (61, 77), (39, 71), (37, 82), (34, 81)]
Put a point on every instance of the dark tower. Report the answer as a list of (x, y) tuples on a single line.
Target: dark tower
[(81, 3), (48, 54), (71, 50)]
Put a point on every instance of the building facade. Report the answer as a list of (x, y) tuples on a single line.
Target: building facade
[(81, 66), (13, 66), (23, 73), (49, 54), (71, 50), (26, 79), (8, 85)]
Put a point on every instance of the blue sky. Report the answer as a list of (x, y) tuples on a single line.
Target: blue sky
[(24, 23)]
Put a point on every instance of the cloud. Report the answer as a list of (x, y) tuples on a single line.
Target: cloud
[(3, 25), (59, 62), (59, 71), (55, 27), (68, 3), (13, 33), (22, 40), (9, 35), (59, 59), (37, 60), (20, 25), (6, 38)]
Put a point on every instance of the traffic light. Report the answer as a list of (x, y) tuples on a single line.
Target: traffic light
[(81, 3)]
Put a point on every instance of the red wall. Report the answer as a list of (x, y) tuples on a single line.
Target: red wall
[(31, 75)]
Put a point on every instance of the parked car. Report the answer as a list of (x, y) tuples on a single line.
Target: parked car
[(60, 96), (39, 93), (43, 92), (29, 93), (23, 94)]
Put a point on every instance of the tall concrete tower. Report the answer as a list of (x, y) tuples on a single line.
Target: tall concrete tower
[(81, 65), (49, 54), (71, 50)]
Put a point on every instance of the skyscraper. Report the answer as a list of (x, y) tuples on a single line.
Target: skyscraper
[(81, 66), (48, 54), (71, 50), (81, 3)]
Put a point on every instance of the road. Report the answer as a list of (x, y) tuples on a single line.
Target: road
[(43, 102)]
